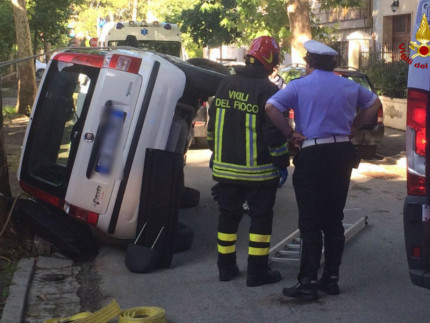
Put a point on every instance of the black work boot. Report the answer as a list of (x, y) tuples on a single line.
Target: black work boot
[(267, 277), (305, 290), (227, 266), (228, 273), (310, 257), (329, 285), (333, 250)]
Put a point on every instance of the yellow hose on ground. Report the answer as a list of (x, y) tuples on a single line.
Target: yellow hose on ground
[(112, 310), (143, 315)]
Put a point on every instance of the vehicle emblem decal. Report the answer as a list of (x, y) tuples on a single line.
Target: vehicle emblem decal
[(130, 85), (423, 36), (89, 137), (97, 197), (144, 31), (270, 59)]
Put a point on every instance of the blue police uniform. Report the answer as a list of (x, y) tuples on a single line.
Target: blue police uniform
[(324, 108)]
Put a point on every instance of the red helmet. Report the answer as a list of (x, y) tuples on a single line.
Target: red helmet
[(266, 50)]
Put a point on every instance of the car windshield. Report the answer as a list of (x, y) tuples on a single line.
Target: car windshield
[(172, 48), (291, 73), (57, 123), (360, 80)]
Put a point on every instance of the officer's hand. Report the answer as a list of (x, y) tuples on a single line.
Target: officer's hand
[(297, 139), (283, 175)]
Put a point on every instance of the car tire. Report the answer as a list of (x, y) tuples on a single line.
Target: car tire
[(367, 151), (209, 65), (184, 238), (200, 143), (190, 197), (200, 79)]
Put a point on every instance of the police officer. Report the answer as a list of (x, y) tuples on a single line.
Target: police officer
[(248, 154), (324, 107)]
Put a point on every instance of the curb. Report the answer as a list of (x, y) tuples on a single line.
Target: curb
[(14, 308)]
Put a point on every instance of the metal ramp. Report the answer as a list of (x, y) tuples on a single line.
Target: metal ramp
[(288, 250)]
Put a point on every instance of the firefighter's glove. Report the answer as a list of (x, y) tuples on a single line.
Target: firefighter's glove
[(283, 175), (215, 191)]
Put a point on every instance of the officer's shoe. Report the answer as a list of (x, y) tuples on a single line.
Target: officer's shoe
[(268, 277), (329, 286), (227, 274), (304, 292)]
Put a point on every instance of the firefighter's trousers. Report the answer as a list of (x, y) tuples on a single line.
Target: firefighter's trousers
[(260, 199)]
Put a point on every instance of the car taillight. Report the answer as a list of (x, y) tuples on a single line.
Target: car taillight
[(416, 141), (81, 59), (123, 63), (291, 114), (81, 214), (41, 195), (416, 184), (416, 252), (380, 115)]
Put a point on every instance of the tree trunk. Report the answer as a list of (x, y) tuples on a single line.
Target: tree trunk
[(5, 190), (27, 78), (134, 11), (300, 27), (47, 52)]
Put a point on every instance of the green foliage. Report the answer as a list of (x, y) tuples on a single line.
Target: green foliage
[(211, 23), (9, 112), (7, 27), (389, 79), (259, 18), (327, 4), (48, 20)]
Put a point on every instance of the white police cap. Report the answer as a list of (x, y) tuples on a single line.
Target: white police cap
[(315, 47)]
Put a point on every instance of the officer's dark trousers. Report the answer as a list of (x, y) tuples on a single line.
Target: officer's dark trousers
[(260, 199), (321, 179)]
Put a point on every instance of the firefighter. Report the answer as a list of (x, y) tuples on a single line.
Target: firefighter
[(249, 155), (325, 112)]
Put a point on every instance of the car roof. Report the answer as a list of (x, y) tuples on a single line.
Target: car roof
[(348, 71)]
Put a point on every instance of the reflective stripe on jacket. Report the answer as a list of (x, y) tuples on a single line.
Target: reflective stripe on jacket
[(246, 145)]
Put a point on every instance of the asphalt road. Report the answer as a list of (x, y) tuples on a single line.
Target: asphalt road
[(375, 285)]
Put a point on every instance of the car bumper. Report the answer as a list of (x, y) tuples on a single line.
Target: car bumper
[(417, 234), (371, 136)]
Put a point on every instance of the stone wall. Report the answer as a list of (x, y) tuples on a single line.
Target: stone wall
[(394, 112)]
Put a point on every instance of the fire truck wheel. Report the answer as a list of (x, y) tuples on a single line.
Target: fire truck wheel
[(185, 238), (190, 197)]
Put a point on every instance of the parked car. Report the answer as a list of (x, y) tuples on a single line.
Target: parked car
[(416, 210), (369, 136), (40, 69)]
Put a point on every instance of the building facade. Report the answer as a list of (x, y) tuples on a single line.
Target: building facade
[(377, 27)]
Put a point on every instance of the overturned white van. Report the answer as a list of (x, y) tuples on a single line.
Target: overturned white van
[(106, 139)]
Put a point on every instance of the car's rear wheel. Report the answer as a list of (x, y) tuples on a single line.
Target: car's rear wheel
[(185, 238), (200, 143)]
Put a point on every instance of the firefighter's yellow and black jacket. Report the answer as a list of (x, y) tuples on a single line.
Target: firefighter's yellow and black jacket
[(247, 147)]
